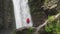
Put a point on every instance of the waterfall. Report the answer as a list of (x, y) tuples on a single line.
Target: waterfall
[(22, 14)]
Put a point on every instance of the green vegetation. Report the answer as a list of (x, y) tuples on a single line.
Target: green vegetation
[(30, 31), (53, 25)]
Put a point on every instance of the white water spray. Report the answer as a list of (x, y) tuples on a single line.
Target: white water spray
[(22, 13)]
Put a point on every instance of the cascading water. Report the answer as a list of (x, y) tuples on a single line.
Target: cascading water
[(22, 14)]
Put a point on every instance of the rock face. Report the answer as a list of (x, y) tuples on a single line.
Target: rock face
[(40, 13), (40, 9), (7, 22)]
